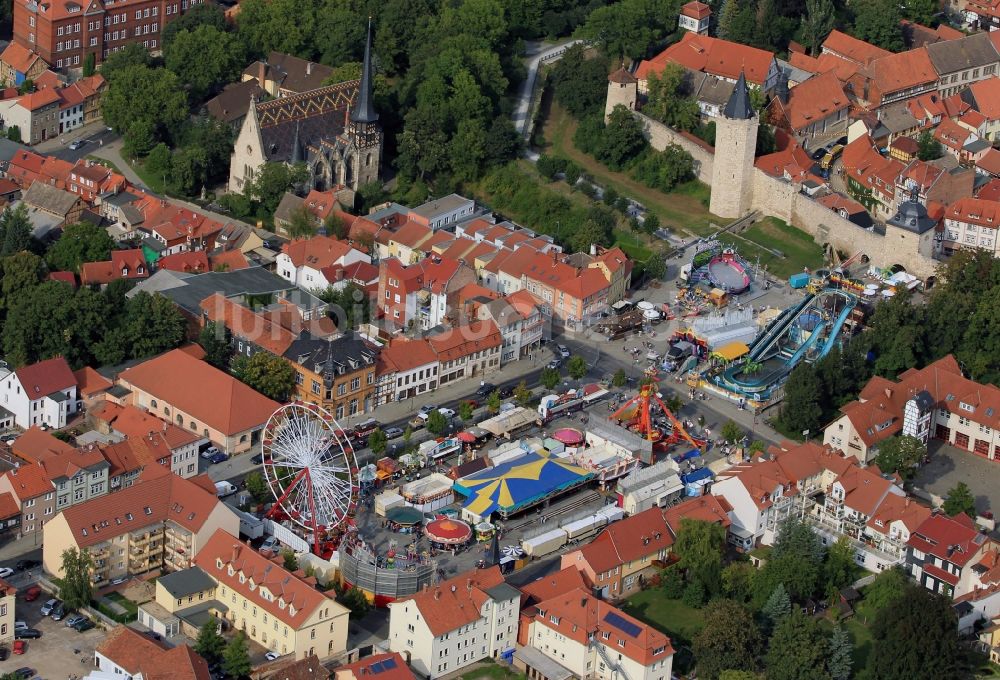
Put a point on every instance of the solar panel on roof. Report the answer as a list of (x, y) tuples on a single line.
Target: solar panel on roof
[(627, 627), (382, 666)]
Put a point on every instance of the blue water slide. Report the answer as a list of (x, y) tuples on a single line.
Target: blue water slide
[(777, 328), (804, 347), (835, 331)]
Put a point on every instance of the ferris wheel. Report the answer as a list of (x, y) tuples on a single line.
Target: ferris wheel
[(310, 467)]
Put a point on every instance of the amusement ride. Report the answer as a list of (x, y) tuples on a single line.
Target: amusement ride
[(310, 468), (638, 414)]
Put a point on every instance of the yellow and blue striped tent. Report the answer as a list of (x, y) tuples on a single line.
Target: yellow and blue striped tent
[(518, 483)]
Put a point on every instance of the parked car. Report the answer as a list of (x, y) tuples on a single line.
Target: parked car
[(555, 363), (427, 408), (59, 613), (77, 144), (24, 565), (27, 634), (4, 653), (32, 593), (393, 432), (49, 606), (6, 572), (485, 390), (258, 459), (209, 452), (416, 422), (818, 154), (73, 620), (24, 671), (218, 457), (507, 392), (563, 351), (20, 625), (83, 626), (447, 412), (271, 656), (20, 647), (270, 546)]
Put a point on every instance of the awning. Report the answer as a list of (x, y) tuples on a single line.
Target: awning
[(731, 351)]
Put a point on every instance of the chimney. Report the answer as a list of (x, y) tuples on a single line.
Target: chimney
[(593, 250), (437, 594), (236, 552), (468, 584), (261, 72), (888, 393), (583, 602), (309, 68)]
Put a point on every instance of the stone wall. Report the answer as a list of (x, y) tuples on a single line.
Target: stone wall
[(659, 135)]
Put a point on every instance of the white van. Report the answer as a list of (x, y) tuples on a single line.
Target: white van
[(223, 489)]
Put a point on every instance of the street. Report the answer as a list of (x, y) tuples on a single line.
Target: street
[(94, 135)]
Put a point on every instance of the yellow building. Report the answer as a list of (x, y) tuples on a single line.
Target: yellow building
[(278, 609), (158, 523), (7, 595)]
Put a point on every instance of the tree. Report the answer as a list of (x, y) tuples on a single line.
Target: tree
[(236, 657), (270, 375), (778, 606), (210, 644), (731, 432), (302, 223), (204, 58), (922, 11), (630, 27), (354, 599), (619, 378), (214, 339), (729, 640), (152, 324), (436, 422), (739, 675), (257, 486), (889, 585), (817, 22), (960, 499), (14, 133), (15, 227), (800, 411), (493, 402), (89, 64), (737, 581), (465, 411), (272, 181), (656, 266), (917, 637), (577, 367), (839, 569), (928, 148), (377, 441), (195, 17), (737, 22), (289, 559), (76, 587), (146, 104), (579, 82), (798, 649), (669, 99), (79, 243), (663, 170), (878, 22), (900, 453), (622, 139), (840, 660), (550, 377), (694, 594), (132, 54), (522, 395), (699, 547), (673, 583)]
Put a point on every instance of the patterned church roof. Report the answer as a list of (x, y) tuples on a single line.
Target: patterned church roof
[(308, 119)]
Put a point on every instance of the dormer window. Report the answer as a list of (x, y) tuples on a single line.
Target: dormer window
[(243, 579), (966, 407), (218, 563), (230, 571), (291, 610)]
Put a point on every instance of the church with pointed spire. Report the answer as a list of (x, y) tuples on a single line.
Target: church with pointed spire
[(334, 130)]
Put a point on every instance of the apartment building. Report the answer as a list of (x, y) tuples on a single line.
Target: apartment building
[(934, 401), (971, 223), (34, 495), (467, 351), (405, 369), (278, 609), (962, 62), (7, 605), (338, 374), (304, 262), (193, 394), (587, 637), (618, 561), (456, 623), (40, 394), (78, 474), (159, 523), (181, 445), (943, 551), (424, 294), (65, 33)]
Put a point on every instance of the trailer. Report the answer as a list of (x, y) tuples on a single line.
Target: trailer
[(551, 405), (436, 449), (544, 544), (509, 423)]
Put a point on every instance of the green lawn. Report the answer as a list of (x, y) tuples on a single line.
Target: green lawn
[(798, 247), (861, 636), (673, 617), (492, 673), (684, 209), (105, 162), (150, 179), (632, 244), (121, 600)]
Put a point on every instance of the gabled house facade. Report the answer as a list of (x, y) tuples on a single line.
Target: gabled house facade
[(40, 394)]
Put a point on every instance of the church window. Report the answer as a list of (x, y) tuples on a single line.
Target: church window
[(249, 150), (368, 159)]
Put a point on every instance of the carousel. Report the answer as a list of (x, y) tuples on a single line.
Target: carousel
[(448, 532), (403, 519)]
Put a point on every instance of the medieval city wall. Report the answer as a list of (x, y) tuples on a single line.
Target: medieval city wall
[(659, 136)]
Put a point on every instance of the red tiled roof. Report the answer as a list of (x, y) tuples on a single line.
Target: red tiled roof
[(986, 94), (849, 47), (157, 496), (135, 423), (362, 670), (894, 508), (128, 648), (990, 162), (713, 56), (39, 99), (901, 72), (990, 191), (246, 324), (985, 214), (191, 261), (864, 489), (46, 377), (954, 539), (124, 264), (461, 341), (813, 101), (707, 508), (696, 10), (554, 585), (792, 163), (18, 57), (405, 355), (550, 271), (951, 134), (8, 506), (456, 602), (838, 202), (228, 260), (581, 617), (29, 481), (316, 252), (220, 400), (295, 598)]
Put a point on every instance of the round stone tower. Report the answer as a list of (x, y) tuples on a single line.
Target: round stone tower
[(623, 88), (735, 144)]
